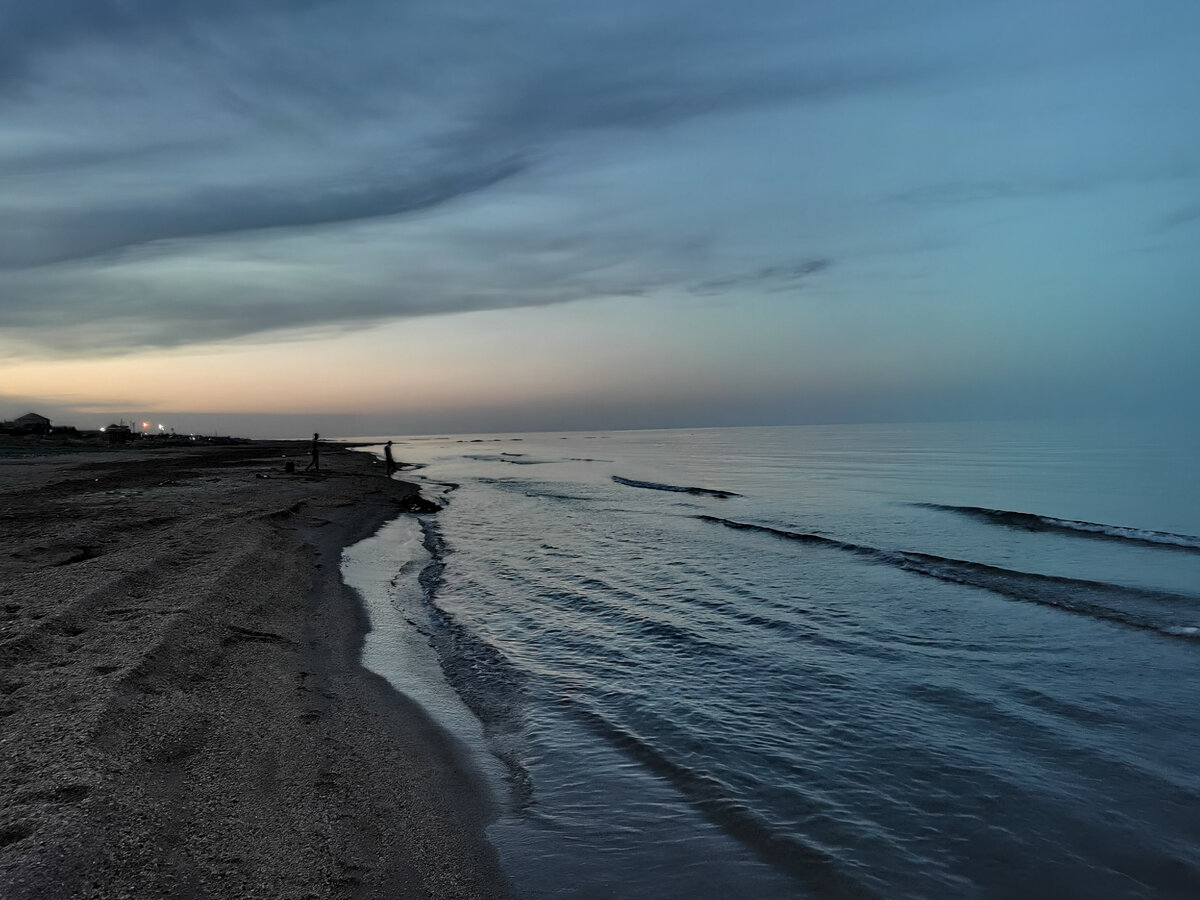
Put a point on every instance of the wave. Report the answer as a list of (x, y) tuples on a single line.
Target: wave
[(655, 486), (1034, 522), (1142, 608), (539, 489), (816, 869), (505, 458), (489, 683), (551, 495)]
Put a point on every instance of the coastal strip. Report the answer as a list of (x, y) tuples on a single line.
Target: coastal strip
[(183, 711)]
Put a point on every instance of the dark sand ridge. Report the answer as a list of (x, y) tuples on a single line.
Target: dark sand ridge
[(182, 712)]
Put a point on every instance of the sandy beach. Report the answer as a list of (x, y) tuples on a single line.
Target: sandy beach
[(182, 712)]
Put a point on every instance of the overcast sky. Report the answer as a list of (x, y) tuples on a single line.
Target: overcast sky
[(400, 215)]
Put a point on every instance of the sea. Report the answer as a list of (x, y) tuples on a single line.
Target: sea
[(943, 660)]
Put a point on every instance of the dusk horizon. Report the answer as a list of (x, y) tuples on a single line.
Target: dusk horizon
[(336, 426)]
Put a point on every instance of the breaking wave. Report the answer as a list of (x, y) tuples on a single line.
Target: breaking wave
[(1149, 610), (1034, 522), (655, 486), (489, 684)]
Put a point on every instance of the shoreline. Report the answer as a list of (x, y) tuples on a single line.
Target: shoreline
[(184, 708)]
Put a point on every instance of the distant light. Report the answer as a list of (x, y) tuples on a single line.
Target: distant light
[(103, 429), (145, 425)]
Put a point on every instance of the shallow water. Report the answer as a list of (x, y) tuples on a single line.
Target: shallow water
[(815, 661)]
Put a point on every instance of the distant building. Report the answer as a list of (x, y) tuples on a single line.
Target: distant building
[(31, 423), (118, 434)]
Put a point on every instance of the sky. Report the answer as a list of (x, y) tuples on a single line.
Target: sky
[(415, 216)]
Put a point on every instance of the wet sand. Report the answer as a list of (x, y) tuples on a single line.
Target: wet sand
[(182, 713)]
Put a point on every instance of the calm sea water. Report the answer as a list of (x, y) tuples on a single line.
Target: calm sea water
[(901, 661)]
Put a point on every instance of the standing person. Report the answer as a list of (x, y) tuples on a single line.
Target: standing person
[(315, 462), (387, 456)]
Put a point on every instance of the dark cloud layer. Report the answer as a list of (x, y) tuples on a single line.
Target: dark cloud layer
[(30, 29), (207, 212), (174, 171), (138, 128)]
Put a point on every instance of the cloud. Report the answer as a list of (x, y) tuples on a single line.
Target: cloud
[(30, 29), (200, 170), (204, 170), (296, 283), (1186, 215), (956, 192), (777, 277), (964, 192), (204, 212)]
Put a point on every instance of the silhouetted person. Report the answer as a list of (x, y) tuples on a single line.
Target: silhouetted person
[(315, 462), (387, 458)]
